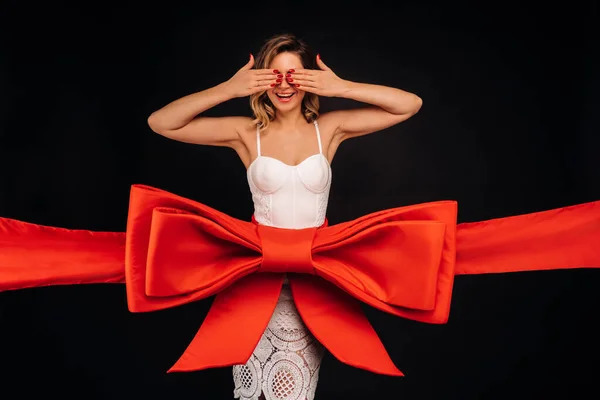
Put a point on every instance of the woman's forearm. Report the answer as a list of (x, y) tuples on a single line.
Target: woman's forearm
[(181, 111), (392, 100)]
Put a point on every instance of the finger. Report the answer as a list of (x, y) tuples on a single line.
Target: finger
[(302, 82), (321, 64), (302, 71), (296, 77), (263, 88), (309, 76), (262, 82), (307, 88)]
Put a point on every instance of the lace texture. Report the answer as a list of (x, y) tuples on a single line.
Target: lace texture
[(322, 200), (285, 364), (262, 205)]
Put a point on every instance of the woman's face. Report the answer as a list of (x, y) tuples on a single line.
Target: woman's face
[(286, 96)]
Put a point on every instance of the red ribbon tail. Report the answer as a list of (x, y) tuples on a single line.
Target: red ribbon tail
[(337, 321), (34, 255), (563, 238), (234, 324)]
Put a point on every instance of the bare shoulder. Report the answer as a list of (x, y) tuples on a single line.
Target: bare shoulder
[(328, 124), (237, 124), (245, 125), (246, 130)]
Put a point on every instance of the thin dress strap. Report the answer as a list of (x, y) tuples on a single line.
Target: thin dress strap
[(258, 140), (318, 137)]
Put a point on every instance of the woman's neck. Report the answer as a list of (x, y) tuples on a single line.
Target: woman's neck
[(289, 121)]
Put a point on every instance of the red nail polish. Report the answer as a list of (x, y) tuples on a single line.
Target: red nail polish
[(297, 85), (288, 75), (272, 85), (280, 76), (319, 56), (275, 71), (278, 81), (290, 80), (292, 71)]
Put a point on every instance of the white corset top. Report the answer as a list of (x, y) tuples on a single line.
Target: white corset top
[(290, 196)]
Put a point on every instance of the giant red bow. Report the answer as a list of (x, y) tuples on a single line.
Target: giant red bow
[(402, 261)]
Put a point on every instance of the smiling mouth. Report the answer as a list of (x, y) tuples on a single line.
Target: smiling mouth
[(285, 95)]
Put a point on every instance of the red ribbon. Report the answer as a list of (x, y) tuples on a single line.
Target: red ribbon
[(401, 261)]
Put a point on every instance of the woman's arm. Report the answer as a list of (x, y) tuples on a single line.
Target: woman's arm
[(387, 106), (181, 120)]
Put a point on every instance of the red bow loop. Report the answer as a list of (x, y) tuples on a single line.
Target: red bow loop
[(190, 253), (178, 250), (399, 260), (395, 262)]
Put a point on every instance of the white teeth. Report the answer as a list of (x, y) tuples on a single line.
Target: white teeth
[(285, 95)]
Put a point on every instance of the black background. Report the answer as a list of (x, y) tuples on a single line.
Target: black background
[(509, 125)]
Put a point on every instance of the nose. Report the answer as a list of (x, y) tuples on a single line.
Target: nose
[(284, 83)]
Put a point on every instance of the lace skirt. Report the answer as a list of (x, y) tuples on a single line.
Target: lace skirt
[(285, 364)]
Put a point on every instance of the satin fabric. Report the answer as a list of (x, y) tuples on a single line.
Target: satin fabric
[(402, 261)]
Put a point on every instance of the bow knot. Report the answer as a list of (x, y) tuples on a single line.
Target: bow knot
[(286, 251)]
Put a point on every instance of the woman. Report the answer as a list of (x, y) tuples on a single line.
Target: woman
[(287, 149)]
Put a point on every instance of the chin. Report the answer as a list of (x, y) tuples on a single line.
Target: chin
[(287, 107)]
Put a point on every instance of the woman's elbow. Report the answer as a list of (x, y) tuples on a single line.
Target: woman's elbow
[(418, 103), (154, 122)]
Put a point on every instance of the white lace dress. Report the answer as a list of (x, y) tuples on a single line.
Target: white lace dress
[(285, 364)]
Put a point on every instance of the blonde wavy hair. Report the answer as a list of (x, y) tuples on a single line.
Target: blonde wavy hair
[(262, 108)]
